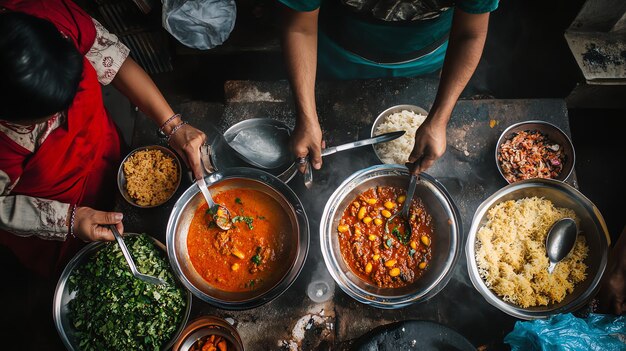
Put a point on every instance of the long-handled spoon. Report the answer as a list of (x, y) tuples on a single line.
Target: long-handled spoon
[(129, 259), (383, 138), (221, 215)]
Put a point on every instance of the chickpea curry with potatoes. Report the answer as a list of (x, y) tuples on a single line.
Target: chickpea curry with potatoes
[(390, 260), (250, 255)]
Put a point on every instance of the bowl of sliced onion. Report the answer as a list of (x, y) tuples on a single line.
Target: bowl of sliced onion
[(534, 149)]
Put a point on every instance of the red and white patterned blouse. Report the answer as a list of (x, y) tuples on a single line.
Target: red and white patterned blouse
[(47, 219)]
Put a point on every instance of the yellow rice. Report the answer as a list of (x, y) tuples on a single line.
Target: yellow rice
[(511, 254), (151, 177)]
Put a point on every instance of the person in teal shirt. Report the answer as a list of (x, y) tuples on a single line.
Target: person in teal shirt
[(354, 39)]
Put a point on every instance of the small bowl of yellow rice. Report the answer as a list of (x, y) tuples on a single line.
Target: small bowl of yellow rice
[(149, 176)]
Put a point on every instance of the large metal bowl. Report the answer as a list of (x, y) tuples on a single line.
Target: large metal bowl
[(592, 226), (446, 237), (182, 215), (63, 295), (553, 133)]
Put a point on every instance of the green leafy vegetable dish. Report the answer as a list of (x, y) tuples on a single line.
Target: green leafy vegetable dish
[(113, 310)]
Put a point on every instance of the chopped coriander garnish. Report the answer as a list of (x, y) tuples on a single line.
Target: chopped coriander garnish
[(403, 238), (238, 200), (246, 219), (260, 217), (256, 259)]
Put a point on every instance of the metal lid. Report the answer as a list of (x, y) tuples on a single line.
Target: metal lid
[(223, 156)]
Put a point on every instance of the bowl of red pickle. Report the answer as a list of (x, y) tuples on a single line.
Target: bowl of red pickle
[(534, 149), (209, 333)]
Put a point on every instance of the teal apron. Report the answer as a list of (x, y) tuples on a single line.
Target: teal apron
[(358, 40)]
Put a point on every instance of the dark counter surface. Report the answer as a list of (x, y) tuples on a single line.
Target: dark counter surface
[(347, 110)]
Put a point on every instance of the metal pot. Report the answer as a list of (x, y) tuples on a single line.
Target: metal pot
[(63, 295), (592, 226), (446, 237), (208, 325), (182, 215)]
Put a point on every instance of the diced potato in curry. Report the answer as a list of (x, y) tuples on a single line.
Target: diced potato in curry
[(388, 260)]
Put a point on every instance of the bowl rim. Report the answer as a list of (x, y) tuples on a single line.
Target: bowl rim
[(207, 322), (121, 178), (388, 111), (392, 302), (303, 238), (504, 136), (491, 297), (78, 259)]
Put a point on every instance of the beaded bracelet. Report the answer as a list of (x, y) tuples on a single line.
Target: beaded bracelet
[(174, 130), (72, 217), (160, 132)]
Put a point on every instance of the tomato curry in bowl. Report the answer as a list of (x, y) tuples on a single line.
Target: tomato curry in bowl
[(251, 253), (254, 261), (388, 260), (394, 269)]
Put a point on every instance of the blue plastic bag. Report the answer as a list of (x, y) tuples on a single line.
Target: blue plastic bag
[(565, 332)]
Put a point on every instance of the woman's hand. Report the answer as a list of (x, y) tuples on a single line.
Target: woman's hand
[(307, 141), (187, 141), (92, 225), (430, 144)]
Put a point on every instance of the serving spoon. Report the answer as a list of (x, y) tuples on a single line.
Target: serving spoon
[(404, 213), (383, 138), (221, 214), (560, 241), (129, 259)]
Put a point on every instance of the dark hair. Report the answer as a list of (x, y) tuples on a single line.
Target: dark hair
[(39, 68)]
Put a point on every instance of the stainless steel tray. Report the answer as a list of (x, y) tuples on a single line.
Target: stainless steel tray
[(63, 295)]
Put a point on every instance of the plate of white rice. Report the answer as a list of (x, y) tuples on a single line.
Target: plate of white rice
[(396, 118)]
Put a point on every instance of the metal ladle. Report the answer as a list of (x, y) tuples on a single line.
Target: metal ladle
[(129, 259), (405, 206), (560, 241), (223, 222)]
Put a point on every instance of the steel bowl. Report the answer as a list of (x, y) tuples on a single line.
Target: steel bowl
[(63, 295), (446, 237), (208, 325), (182, 215), (121, 178), (224, 157), (389, 111), (591, 224), (553, 132)]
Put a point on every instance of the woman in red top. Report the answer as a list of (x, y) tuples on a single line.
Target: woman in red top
[(58, 147)]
